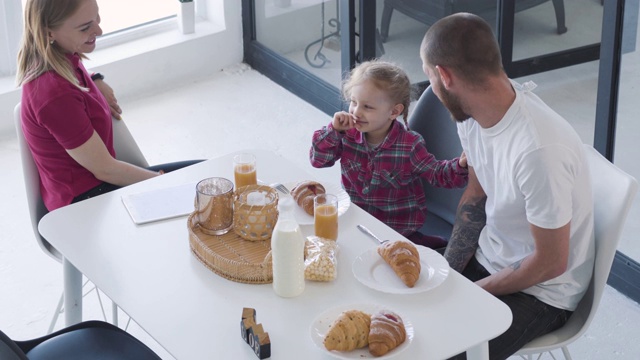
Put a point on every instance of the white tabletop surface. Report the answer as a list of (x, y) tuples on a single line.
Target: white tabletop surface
[(151, 273)]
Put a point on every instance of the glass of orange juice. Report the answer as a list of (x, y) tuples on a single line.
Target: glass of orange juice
[(244, 170), (325, 213)]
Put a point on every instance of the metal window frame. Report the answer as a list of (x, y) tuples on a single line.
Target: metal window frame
[(625, 272)]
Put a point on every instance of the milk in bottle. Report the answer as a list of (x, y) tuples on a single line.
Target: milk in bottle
[(287, 252)]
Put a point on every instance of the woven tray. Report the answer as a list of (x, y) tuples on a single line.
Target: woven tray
[(231, 256)]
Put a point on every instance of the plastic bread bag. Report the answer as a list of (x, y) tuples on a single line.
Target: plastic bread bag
[(320, 259)]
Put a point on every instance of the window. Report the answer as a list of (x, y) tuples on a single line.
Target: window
[(10, 33), (121, 14), (121, 21), (118, 15)]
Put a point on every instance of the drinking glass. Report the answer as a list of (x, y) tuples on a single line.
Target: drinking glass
[(244, 170), (214, 205), (325, 213)]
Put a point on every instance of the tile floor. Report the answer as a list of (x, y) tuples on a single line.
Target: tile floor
[(231, 110)]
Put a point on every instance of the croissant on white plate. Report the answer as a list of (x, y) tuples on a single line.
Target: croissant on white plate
[(304, 193), (349, 331), (404, 259), (386, 332)]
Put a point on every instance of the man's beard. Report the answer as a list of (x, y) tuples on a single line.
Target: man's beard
[(453, 104)]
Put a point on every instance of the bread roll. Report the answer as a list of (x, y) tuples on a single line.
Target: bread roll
[(304, 192), (386, 332)]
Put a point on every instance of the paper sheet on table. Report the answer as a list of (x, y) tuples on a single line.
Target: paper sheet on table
[(160, 204)]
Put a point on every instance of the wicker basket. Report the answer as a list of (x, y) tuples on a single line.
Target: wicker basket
[(231, 256), (255, 222)]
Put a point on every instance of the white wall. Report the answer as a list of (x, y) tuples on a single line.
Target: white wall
[(144, 67)]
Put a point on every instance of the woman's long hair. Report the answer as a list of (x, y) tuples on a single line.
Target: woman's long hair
[(37, 55)]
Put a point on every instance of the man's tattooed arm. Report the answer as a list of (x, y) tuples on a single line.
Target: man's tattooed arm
[(516, 265), (470, 219)]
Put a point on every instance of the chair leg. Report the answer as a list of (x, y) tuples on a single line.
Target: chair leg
[(57, 313), (114, 306), (126, 327), (384, 23), (565, 352), (114, 313), (60, 307), (558, 5), (104, 315)]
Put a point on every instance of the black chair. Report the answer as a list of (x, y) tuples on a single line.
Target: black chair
[(433, 121), (428, 12), (95, 340)]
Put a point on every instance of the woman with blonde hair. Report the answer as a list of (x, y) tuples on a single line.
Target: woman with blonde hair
[(66, 112)]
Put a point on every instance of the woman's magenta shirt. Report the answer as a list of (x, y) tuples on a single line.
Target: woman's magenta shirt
[(56, 117)]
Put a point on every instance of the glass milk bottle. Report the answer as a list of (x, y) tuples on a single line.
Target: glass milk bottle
[(287, 252)]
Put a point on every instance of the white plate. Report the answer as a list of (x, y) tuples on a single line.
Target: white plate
[(371, 270), (344, 201), (320, 326)]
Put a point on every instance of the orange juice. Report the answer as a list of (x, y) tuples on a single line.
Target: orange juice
[(245, 174), (326, 221)]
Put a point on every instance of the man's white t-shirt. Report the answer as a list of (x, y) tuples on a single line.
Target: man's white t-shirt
[(533, 169)]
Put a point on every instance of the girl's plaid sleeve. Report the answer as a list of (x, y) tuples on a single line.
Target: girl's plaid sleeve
[(442, 173), (326, 147)]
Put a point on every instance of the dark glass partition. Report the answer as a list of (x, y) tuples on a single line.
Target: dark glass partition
[(318, 40)]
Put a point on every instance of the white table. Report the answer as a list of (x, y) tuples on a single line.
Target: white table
[(150, 272)]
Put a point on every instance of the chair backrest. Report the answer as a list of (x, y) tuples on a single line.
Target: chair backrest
[(32, 186), (433, 121), (92, 339), (613, 194), (126, 150), (9, 350)]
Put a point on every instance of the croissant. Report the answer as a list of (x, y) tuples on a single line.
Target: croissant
[(304, 192), (404, 259), (349, 331), (387, 332)]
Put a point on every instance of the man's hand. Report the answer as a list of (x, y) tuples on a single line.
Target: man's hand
[(548, 260)]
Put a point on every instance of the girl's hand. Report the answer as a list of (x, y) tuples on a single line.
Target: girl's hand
[(107, 91), (342, 121), (463, 160)]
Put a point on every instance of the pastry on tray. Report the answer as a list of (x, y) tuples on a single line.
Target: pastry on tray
[(304, 192), (386, 332), (349, 331), (404, 259)]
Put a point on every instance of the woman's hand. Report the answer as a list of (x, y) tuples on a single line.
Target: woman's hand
[(342, 121), (107, 92)]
